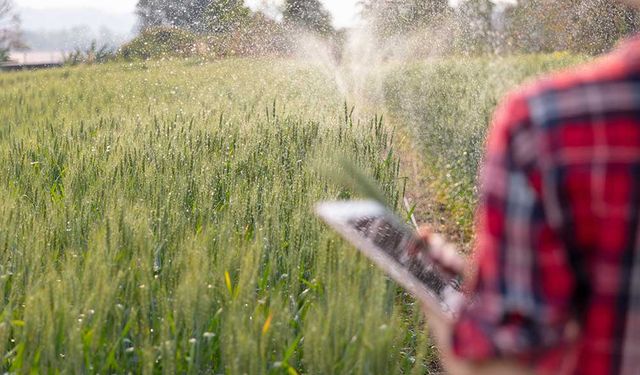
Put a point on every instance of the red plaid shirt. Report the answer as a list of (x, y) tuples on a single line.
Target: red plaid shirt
[(558, 252)]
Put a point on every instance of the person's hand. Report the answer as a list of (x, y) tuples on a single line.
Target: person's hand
[(448, 259), (440, 252)]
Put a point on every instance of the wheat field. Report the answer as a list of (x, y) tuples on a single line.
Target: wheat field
[(156, 217)]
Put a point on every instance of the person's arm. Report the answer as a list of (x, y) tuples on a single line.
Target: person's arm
[(441, 329), (522, 284)]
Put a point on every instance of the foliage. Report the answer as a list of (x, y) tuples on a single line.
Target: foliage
[(91, 55), (227, 16), (392, 17), (259, 36), (199, 16), (487, 26), (309, 15), (221, 28), (449, 104), (532, 26), (479, 33), (150, 13), (6, 14), (155, 218), (160, 42), (595, 26), (10, 33)]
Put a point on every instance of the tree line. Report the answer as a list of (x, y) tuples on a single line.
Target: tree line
[(473, 26), (476, 26), (480, 26), (220, 16)]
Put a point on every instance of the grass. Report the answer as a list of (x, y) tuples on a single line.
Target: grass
[(155, 217), (448, 105)]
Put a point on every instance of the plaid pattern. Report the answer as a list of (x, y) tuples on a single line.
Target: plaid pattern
[(557, 282)]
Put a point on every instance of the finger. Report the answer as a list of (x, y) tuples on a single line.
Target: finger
[(424, 233), (445, 255), (451, 259)]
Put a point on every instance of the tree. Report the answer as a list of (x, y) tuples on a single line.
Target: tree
[(10, 34), (226, 15), (191, 14), (393, 17), (600, 24), (309, 15), (200, 16), (595, 25), (478, 25), (151, 13)]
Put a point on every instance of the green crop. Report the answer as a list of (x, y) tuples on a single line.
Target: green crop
[(156, 217), (447, 105)]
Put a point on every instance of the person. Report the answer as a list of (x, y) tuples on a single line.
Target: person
[(554, 284)]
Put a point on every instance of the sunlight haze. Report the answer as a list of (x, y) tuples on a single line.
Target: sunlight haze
[(344, 11)]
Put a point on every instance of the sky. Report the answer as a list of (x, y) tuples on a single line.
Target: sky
[(344, 11)]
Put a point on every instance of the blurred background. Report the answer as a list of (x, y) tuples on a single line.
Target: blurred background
[(83, 31), (47, 31)]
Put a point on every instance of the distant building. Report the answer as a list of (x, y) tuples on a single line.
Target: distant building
[(19, 60)]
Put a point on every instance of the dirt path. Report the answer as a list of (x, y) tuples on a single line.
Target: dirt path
[(420, 190)]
